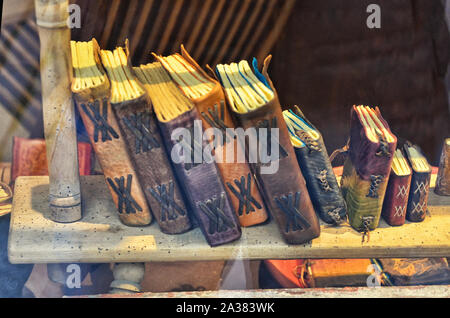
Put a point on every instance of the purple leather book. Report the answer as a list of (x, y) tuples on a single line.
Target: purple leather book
[(201, 182)]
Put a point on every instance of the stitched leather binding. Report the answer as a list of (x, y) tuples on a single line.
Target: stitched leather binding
[(366, 173), (285, 191), (238, 180), (109, 145), (203, 188), (320, 179), (396, 199), (138, 125), (419, 190)]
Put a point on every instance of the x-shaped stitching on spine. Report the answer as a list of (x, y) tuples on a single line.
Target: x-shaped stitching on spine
[(418, 207), (167, 202), (123, 192), (100, 121), (290, 208), (213, 208), (399, 211), (244, 195), (216, 120), (402, 191), (421, 187), (139, 125)]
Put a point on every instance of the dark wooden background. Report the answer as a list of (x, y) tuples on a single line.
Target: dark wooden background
[(325, 58)]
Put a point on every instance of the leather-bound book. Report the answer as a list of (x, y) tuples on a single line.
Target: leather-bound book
[(208, 97), (257, 110), (420, 183), (316, 167), (367, 168), (135, 117), (181, 129), (29, 158), (397, 191), (91, 91)]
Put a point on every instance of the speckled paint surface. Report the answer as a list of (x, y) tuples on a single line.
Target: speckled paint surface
[(100, 237)]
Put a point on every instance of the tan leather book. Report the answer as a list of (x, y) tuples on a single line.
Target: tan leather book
[(92, 93)]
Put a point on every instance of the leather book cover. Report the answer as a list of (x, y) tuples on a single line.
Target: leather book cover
[(203, 188), (29, 158), (367, 167), (197, 173), (284, 191), (238, 179), (420, 184), (316, 167), (396, 199), (137, 123), (93, 103)]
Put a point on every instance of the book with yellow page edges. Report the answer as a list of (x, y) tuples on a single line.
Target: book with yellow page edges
[(367, 168), (208, 97), (197, 172), (316, 167), (256, 107), (133, 109), (397, 192), (91, 91), (420, 183)]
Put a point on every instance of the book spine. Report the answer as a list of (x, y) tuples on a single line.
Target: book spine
[(396, 199), (418, 196), (284, 188), (236, 175), (200, 180), (111, 151), (321, 182), (147, 152)]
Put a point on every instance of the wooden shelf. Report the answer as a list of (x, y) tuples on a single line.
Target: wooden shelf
[(100, 237)]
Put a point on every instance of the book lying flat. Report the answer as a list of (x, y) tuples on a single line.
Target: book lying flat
[(208, 97), (420, 183), (397, 191), (316, 167), (198, 176), (256, 106), (133, 109), (367, 168), (91, 91)]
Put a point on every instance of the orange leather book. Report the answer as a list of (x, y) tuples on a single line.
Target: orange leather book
[(29, 158)]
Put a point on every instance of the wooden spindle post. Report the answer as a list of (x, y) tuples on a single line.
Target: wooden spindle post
[(58, 109)]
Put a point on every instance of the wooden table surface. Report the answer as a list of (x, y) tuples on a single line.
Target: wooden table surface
[(100, 237)]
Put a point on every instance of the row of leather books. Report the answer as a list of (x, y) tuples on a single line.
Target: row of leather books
[(155, 169)]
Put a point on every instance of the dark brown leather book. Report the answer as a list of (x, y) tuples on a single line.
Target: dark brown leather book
[(420, 183), (92, 94), (397, 191), (138, 125), (210, 103), (29, 158), (256, 108), (181, 129)]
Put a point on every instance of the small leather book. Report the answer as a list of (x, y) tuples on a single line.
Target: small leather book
[(133, 109), (397, 191), (208, 97), (29, 158), (91, 91), (181, 128), (256, 108), (367, 167), (316, 167), (420, 183)]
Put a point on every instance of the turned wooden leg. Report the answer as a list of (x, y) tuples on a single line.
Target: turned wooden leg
[(127, 278)]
